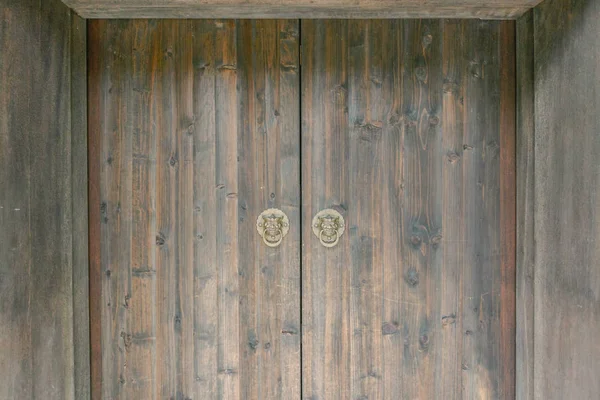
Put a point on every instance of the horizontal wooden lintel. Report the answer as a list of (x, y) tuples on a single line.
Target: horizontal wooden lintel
[(492, 9)]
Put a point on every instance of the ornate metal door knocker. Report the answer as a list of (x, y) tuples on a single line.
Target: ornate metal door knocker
[(328, 225), (272, 225)]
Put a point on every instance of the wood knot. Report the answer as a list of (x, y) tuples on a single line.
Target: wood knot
[(448, 319), (427, 40), (127, 298), (435, 241), (227, 67), (421, 73), (227, 371), (173, 160), (450, 87), (339, 94), (253, 343), (104, 212), (126, 339), (434, 120), (390, 328), (475, 69), (191, 129), (160, 239), (394, 119), (370, 133), (415, 241), (411, 277), (424, 341), (453, 157)]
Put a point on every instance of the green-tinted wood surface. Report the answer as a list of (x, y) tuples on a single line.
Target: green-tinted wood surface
[(43, 209), (197, 130), (408, 131)]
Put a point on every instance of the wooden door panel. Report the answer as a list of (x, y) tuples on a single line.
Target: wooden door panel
[(194, 126), (408, 131)]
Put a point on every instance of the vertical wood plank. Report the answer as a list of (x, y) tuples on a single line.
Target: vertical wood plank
[(201, 118), (390, 220), (141, 294), (95, 208), (525, 195), (184, 313), (18, 43), (226, 172), (482, 359), (286, 116), (325, 303), (205, 256), (422, 200), (269, 178), (79, 163), (40, 196), (566, 200), (453, 237), (508, 210)]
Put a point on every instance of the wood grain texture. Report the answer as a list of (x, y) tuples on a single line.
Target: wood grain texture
[(408, 130), (95, 211), (80, 209), (492, 9), (525, 207), (42, 201), (196, 132), (566, 205)]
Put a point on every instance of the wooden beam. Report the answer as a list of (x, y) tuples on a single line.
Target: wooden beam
[(566, 204), (491, 9), (43, 253)]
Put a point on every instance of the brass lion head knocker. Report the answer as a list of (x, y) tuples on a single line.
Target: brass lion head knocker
[(272, 225), (328, 225)]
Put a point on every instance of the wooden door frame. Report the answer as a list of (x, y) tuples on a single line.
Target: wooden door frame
[(508, 186)]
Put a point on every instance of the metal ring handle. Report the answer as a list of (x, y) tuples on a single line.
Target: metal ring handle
[(328, 223), (329, 244), (272, 244), (272, 223)]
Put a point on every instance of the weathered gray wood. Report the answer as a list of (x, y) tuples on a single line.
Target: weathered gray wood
[(79, 197), (492, 9), (525, 203), (195, 126), (408, 131), (42, 202), (567, 200)]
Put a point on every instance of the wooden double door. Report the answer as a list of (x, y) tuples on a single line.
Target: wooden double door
[(404, 127)]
